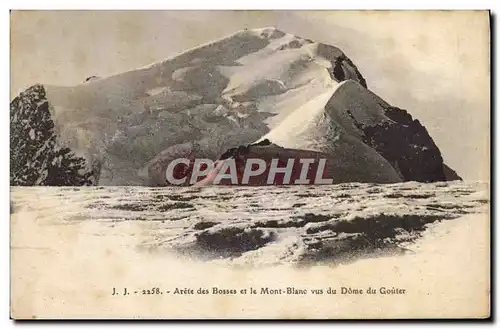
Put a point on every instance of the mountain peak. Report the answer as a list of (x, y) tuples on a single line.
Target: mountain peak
[(270, 32), (219, 95)]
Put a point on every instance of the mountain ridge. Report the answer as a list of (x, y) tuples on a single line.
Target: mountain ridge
[(236, 90)]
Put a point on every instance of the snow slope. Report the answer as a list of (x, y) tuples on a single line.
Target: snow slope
[(236, 90)]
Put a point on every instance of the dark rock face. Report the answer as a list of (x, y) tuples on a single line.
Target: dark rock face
[(450, 174), (391, 134), (406, 144), (35, 156), (233, 239), (92, 78), (342, 67)]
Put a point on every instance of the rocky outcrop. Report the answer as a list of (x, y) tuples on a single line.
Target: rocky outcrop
[(406, 144), (450, 174), (36, 157)]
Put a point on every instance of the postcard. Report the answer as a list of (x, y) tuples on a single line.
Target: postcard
[(250, 164)]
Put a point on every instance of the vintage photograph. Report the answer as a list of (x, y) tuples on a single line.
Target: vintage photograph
[(245, 164)]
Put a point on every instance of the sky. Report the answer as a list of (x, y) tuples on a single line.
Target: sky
[(433, 64)]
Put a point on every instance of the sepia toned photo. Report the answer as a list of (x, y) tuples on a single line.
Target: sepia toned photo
[(245, 164)]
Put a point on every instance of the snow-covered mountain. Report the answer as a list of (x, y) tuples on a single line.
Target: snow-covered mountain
[(254, 84)]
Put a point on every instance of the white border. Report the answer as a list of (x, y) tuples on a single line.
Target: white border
[(256, 4)]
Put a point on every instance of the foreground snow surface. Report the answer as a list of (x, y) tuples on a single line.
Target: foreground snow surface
[(71, 246), (257, 226)]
